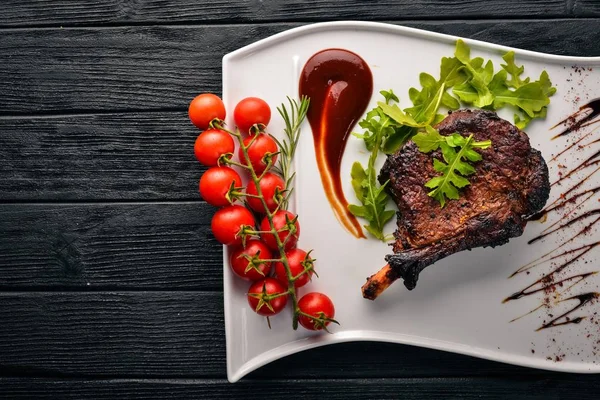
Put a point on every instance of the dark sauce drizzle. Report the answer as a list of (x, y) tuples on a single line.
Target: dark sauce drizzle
[(570, 222), (546, 283), (584, 117), (557, 205), (583, 299), (541, 260), (573, 124)]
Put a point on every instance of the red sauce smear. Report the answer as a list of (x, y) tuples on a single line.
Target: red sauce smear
[(339, 84)]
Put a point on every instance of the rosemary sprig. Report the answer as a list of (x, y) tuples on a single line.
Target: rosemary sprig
[(293, 118)]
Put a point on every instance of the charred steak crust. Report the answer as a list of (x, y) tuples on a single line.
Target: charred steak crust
[(510, 184)]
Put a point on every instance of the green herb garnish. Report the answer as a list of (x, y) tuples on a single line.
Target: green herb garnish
[(530, 99), (456, 166), (426, 102), (293, 118), (378, 127), (472, 81)]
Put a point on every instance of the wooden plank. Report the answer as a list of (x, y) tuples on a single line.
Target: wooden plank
[(163, 67), (104, 246), (92, 12), (563, 387), (135, 156), (586, 8), (114, 334), (181, 335)]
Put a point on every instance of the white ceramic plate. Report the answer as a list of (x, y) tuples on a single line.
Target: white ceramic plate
[(457, 305)]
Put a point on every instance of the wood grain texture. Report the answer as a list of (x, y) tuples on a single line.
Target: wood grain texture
[(586, 8), (565, 387), (129, 334), (131, 156), (181, 335), (123, 300), (91, 247), (162, 68), (100, 246), (92, 12)]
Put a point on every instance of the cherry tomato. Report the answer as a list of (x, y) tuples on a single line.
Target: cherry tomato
[(212, 144), (263, 299), (280, 221), (261, 145), (250, 111), (269, 185), (318, 305), (215, 183), (297, 260), (242, 267), (228, 221), (204, 108)]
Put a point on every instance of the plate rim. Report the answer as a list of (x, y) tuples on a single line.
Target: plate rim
[(311, 342), (398, 29)]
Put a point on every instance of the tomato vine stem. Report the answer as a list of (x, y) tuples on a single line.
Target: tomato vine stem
[(273, 231), (287, 152)]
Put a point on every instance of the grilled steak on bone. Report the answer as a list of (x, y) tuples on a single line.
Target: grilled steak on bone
[(510, 184)]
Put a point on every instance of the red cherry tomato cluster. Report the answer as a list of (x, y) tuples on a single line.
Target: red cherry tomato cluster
[(260, 247)]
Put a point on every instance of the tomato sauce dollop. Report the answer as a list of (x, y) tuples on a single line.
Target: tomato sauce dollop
[(339, 84)]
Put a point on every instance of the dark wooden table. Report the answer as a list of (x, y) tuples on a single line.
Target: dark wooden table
[(110, 281)]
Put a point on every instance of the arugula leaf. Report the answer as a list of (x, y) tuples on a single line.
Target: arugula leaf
[(484, 89), (514, 70), (466, 93), (546, 85), (389, 96), (402, 134), (377, 127), (455, 167), (374, 200), (395, 113), (451, 72), (498, 82), (530, 98), (450, 101), (429, 140), (426, 103), (447, 185), (540, 90), (522, 120), (479, 77), (418, 116), (373, 197), (359, 176)]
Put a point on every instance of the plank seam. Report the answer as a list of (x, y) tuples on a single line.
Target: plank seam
[(228, 23), (103, 202), (86, 112), (12, 291), (37, 373), (17, 293)]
